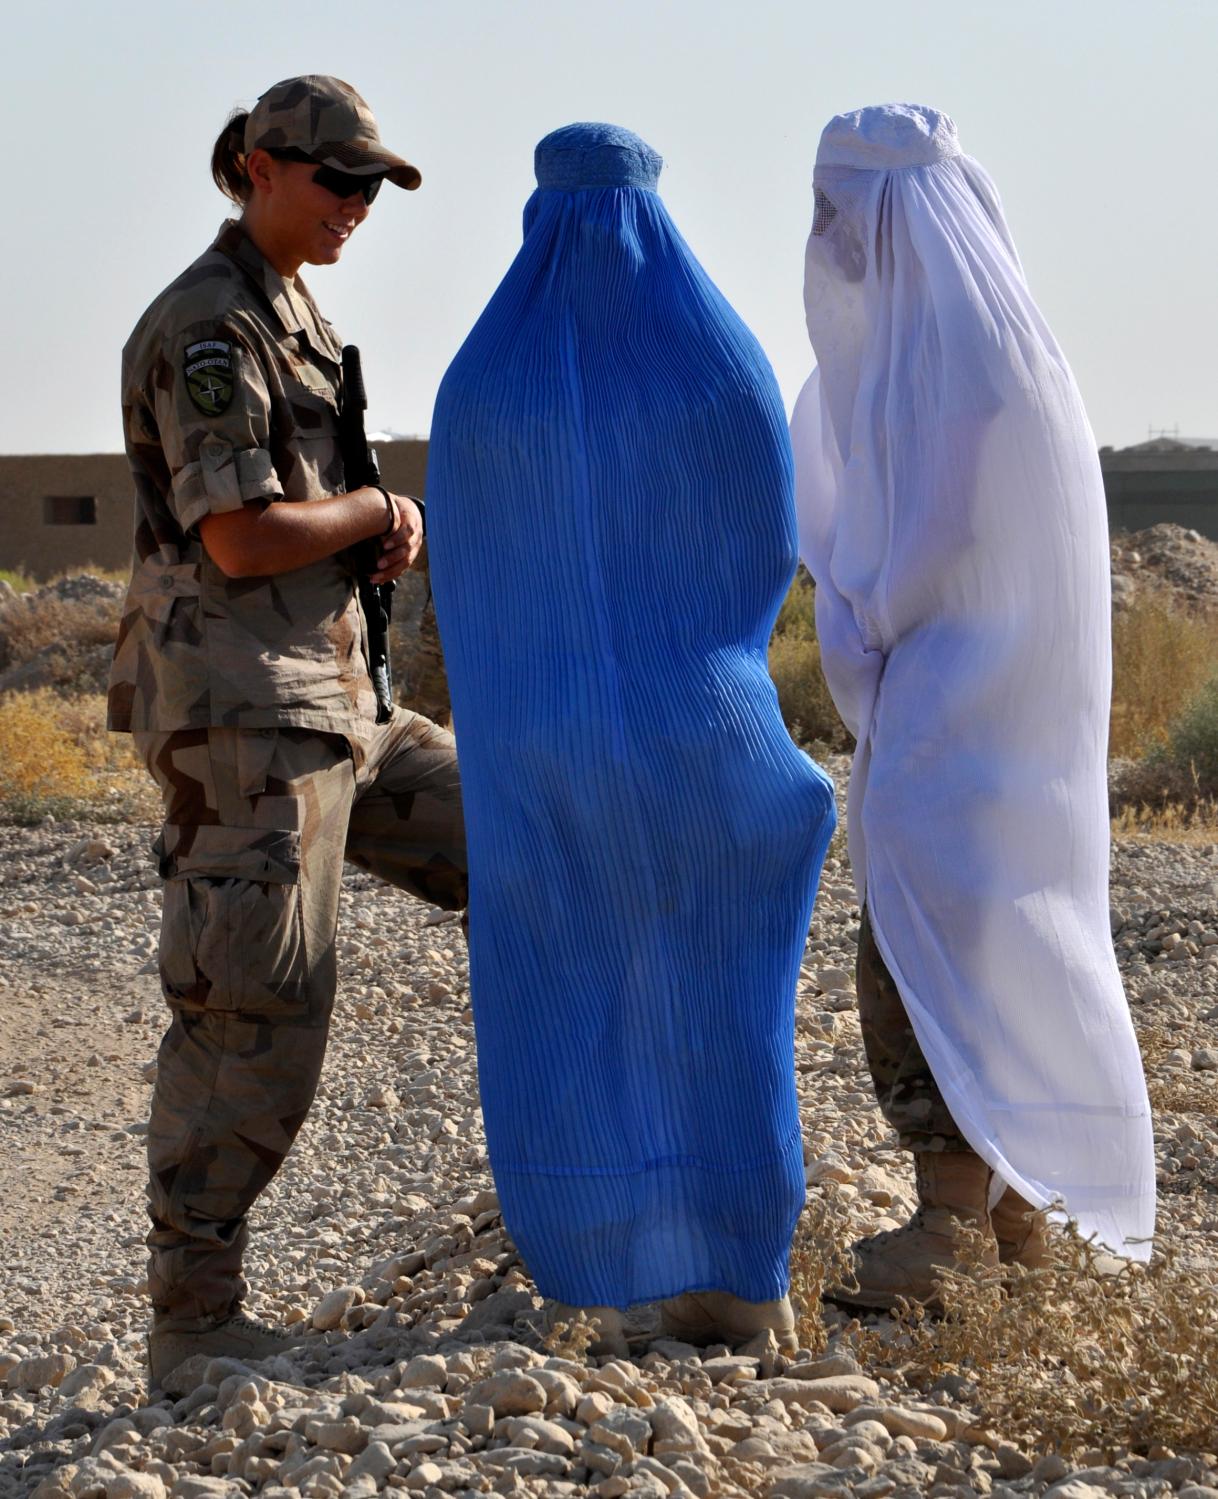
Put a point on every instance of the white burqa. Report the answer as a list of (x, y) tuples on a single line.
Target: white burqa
[(952, 515)]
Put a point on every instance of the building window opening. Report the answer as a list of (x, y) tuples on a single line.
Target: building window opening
[(69, 510)]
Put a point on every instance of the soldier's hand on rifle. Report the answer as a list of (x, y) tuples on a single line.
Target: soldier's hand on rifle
[(401, 547)]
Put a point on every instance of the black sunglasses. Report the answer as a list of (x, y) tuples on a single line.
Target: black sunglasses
[(341, 184)]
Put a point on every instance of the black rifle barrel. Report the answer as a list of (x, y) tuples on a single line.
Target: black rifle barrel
[(360, 467)]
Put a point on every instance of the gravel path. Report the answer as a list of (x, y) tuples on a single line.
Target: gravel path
[(427, 1372)]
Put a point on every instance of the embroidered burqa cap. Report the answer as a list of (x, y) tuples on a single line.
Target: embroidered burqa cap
[(952, 513), (611, 530)]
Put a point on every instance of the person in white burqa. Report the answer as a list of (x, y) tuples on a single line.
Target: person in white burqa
[(952, 516)]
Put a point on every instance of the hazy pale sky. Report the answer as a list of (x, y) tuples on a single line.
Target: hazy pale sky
[(1094, 117)]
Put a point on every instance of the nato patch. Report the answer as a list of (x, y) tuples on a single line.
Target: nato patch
[(209, 375)]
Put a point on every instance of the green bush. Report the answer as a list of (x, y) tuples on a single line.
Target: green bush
[(1192, 742), (1178, 778)]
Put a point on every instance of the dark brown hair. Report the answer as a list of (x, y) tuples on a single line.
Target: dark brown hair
[(228, 159)]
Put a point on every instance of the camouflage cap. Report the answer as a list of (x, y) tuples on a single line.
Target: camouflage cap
[(327, 120)]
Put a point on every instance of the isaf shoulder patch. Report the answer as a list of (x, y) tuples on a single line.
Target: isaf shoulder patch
[(209, 375)]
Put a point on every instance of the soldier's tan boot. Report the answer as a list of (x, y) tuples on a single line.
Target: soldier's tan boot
[(702, 1317), (953, 1191), (605, 1323), (173, 1340), (1022, 1231)]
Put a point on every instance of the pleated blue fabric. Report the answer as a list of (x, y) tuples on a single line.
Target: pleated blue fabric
[(611, 531)]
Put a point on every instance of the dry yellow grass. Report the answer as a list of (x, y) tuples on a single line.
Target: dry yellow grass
[(38, 758), (794, 661), (1161, 658), (57, 759), (797, 616), (1170, 823)]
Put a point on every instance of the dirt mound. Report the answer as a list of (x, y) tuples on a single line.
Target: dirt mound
[(1167, 560)]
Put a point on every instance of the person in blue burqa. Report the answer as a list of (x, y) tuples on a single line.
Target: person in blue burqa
[(611, 532)]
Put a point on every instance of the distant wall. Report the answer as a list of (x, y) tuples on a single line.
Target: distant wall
[(47, 523), (33, 492), (1144, 489), (1133, 505), (72, 511)]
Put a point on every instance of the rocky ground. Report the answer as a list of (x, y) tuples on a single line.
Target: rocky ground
[(427, 1371)]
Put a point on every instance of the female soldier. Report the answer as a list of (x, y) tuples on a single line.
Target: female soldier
[(240, 669)]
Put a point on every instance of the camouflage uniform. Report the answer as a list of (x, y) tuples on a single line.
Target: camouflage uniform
[(250, 701), (905, 1087)]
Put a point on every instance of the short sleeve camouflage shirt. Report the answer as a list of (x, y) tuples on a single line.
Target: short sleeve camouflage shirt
[(230, 389)]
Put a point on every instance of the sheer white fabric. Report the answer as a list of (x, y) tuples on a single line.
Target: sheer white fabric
[(952, 515)]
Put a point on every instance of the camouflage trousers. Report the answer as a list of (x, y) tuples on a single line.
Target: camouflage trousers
[(257, 825), (905, 1087)]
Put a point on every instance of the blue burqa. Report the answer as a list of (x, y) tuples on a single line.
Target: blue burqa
[(611, 531)]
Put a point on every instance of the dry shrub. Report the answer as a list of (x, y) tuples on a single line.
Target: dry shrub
[(1071, 1356), (27, 628), (1068, 1357), (797, 615), (1161, 657), (571, 1339), (803, 697), (820, 1258), (42, 768), (57, 759)]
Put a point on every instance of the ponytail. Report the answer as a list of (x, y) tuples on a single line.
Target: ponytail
[(228, 159)]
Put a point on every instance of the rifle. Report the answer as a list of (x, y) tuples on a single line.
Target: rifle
[(360, 467)]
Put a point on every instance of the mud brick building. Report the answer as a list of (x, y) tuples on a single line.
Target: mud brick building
[(72, 511), (61, 512)]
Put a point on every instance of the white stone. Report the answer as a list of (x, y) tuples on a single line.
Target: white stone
[(510, 1393), (426, 1372), (376, 1461), (840, 1392), (40, 1370), (562, 1393), (424, 1476), (332, 1307), (675, 1426), (131, 1485), (828, 1167)]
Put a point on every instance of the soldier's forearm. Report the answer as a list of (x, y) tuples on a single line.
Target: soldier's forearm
[(260, 541)]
